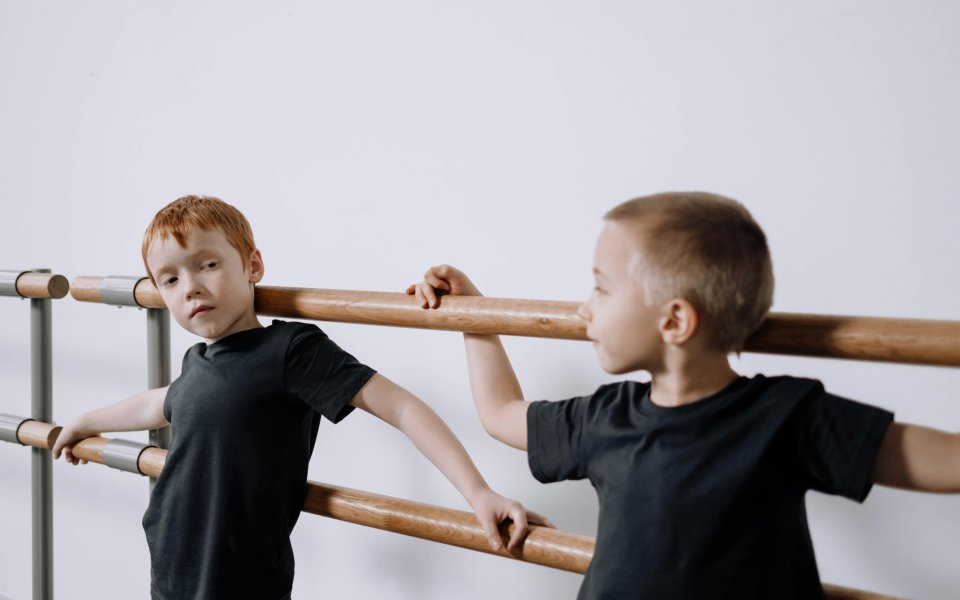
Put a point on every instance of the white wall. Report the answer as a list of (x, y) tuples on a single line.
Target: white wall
[(368, 140)]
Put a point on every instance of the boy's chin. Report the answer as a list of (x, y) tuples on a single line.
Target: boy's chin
[(202, 332), (617, 367), (611, 366)]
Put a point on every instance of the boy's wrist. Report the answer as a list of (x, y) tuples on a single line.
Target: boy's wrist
[(82, 425), (476, 494)]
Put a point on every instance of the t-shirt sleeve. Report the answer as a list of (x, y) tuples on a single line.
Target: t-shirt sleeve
[(322, 374), (168, 400), (838, 443), (554, 434)]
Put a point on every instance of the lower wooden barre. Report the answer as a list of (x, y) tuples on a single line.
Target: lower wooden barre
[(836, 592), (543, 545)]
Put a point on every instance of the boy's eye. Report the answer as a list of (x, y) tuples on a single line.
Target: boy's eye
[(210, 264), (598, 290), (169, 281)]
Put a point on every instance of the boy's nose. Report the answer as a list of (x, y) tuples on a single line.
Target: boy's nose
[(191, 287)]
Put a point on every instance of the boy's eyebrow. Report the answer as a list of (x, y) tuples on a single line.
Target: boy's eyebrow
[(597, 272), (191, 256)]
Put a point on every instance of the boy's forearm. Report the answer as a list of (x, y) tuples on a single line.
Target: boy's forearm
[(918, 458), (396, 406), (138, 412), (496, 390), (434, 439)]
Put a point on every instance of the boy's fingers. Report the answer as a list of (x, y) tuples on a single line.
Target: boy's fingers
[(429, 295), (446, 271), (538, 519), (519, 527), (437, 283), (439, 270), (490, 530)]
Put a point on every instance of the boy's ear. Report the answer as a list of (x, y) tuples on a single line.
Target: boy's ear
[(679, 321), (256, 267)]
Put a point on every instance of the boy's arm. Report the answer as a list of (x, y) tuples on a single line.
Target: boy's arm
[(391, 403), (496, 391), (140, 411), (913, 457)]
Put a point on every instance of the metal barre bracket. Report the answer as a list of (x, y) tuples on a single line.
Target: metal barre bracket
[(119, 290), (124, 455), (9, 426), (8, 283)]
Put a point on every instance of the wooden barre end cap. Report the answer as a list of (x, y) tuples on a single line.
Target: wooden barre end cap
[(42, 286), (38, 434), (58, 287)]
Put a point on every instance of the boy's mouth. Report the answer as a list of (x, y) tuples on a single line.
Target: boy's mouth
[(200, 310)]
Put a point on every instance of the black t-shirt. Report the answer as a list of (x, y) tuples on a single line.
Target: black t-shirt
[(244, 414), (706, 500)]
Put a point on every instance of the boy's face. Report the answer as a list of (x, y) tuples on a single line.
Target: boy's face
[(207, 286), (623, 327)]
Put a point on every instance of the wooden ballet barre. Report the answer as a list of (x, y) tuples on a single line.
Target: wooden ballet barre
[(542, 546), (913, 341), (38, 286)]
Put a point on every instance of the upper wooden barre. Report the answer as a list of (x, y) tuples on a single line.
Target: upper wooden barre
[(543, 545), (912, 341)]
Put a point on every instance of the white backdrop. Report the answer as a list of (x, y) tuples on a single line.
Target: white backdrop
[(366, 141)]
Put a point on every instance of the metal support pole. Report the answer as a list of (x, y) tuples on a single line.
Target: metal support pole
[(158, 366), (42, 460)]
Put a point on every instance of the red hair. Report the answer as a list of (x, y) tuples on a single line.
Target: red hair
[(190, 213)]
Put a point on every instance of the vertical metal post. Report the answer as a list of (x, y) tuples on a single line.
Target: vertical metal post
[(158, 366), (41, 460)]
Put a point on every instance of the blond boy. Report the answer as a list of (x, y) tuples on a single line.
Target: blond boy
[(701, 473), (245, 412)]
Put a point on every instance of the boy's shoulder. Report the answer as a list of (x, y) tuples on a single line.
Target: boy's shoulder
[(633, 397), (759, 384)]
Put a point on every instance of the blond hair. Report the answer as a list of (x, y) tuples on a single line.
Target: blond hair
[(190, 213), (708, 250)]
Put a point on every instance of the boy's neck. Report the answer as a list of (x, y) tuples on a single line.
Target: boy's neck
[(248, 322), (686, 379)]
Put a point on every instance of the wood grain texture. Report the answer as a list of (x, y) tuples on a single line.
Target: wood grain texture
[(472, 314), (912, 341), (37, 434), (86, 288), (543, 546)]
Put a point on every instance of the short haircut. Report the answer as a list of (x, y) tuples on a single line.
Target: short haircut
[(191, 213), (708, 250)]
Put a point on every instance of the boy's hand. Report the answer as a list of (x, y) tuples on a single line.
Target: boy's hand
[(439, 280), (69, 436), (492, 509)]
